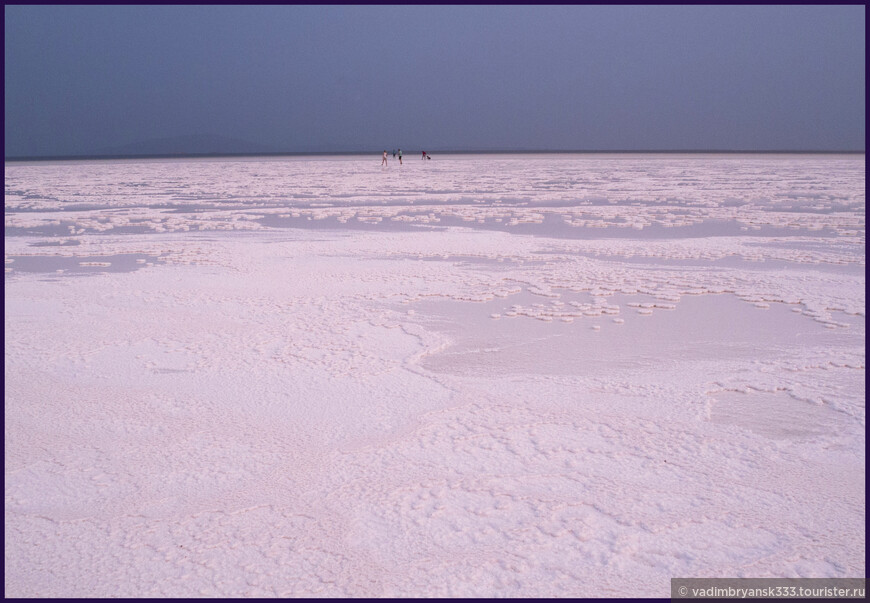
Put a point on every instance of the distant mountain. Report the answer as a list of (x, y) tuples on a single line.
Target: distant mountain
[(187, 145)]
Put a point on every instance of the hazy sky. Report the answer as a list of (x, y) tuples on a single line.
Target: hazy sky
[(345, 78)]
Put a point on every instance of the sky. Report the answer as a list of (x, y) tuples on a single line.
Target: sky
[(82, 79)]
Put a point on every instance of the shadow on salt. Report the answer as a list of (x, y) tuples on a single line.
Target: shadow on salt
[(77, 265), (68, 227), (551, 226), (732, 261), (333, 223), (703, 327), (56, 243), (490, 263), (776, 415)]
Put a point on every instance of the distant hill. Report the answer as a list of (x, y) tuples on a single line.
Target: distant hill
[(186, 145)]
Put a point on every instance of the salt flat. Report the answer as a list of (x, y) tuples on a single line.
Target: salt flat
[(480, 375)]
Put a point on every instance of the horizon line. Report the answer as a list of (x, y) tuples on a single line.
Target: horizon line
[(97, 157)]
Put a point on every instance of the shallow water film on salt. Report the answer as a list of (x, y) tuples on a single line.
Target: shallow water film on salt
[(503, 375)]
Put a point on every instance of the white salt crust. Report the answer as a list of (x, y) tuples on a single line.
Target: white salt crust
[(280, 411)]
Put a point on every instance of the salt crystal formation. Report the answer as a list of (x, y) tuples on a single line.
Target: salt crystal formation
[(523, 376)]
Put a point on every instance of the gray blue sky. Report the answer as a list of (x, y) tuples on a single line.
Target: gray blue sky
[(354, 78)]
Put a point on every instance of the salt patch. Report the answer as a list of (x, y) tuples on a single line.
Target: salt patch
[(686, 328), (776, 415)]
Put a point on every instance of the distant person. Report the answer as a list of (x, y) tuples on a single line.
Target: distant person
[(424, 155), (384, 162), (400, 156), (394, 153)]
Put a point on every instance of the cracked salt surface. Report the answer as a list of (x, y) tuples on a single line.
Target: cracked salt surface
[(479, 376)]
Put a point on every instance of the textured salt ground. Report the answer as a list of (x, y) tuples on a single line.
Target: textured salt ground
[(307, 447), (285, 414), (570, 196)]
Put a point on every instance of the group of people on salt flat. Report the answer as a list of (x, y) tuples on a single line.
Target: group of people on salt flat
[(399, 152)]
